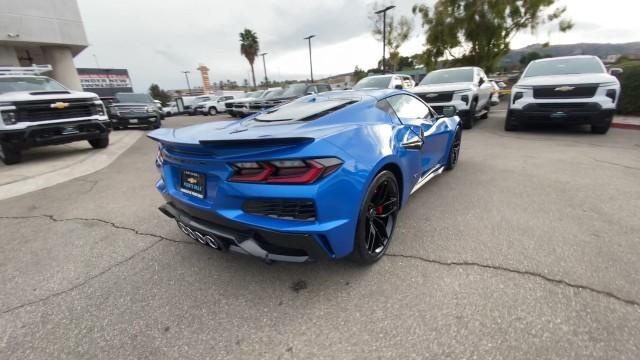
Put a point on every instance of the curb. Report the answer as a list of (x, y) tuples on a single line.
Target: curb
[(625, 126)]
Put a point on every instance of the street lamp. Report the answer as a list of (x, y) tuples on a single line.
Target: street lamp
[(310, 62), (264, 65), (186, 76), (384, 32)]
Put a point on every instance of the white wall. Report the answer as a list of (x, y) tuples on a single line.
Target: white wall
[(42, 22)]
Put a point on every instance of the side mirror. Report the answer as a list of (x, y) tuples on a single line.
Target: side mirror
[(615, 71), (414, 141), (398, 87), (449, 111), (480, 81)]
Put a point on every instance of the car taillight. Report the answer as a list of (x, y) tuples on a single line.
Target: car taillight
[(296, 171)]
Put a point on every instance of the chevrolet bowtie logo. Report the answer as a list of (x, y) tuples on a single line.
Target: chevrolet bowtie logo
[(192, 180), (564, 88), (59, 105), (431, 95)]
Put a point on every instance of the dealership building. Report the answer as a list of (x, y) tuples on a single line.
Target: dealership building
[(43, 32)]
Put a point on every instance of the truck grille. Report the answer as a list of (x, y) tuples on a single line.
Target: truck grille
[(34, 111), (255, 106), (238, 106), (565, 91), (437, 97), (282, 209), (563, 105)]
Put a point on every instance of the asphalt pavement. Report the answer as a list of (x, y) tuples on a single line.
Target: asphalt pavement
[(529, 249)]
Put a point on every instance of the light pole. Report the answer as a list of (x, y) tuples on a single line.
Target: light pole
[(310, 61), (384, 32), (264, 65), (186, 76)]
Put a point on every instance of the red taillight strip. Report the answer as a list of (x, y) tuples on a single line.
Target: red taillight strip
[(311, 175), (268, 169)]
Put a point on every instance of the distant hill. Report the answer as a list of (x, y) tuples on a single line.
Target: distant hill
[(599, 50)]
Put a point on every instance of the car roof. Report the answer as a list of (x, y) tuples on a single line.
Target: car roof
[(457, 68), (567, 57)]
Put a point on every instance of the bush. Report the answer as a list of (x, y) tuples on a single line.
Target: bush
[(630, 80)]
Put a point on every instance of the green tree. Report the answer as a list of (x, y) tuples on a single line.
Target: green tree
[(358, 74), (249, 48), (528, 57), (479, 32), (397, 32), (158, 94)]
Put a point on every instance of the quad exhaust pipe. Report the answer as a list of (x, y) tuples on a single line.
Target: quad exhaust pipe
[(209, 240)]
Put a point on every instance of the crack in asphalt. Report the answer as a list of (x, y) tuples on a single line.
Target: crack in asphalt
[(159, 238), (529, 273), (616, 164)]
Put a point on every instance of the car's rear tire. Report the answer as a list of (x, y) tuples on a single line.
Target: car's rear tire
[(454, 152), (213, 111), (10, 154), (100, 143), (471, 119), (600, 129), (377, 219)]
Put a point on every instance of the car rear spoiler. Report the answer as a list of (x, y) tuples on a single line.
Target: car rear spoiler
[(259, 142)]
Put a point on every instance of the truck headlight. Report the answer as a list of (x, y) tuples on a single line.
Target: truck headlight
[(150, 109), (9, 117)]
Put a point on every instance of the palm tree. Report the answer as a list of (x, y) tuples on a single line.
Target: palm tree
[(249, 48)]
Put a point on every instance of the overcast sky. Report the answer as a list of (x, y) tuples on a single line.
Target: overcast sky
[(155, 40)]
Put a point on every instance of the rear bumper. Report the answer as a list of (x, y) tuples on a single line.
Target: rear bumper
[(56, 133), (566, 113), (268, 245)]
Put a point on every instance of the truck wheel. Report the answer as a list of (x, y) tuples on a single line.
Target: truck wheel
[(10, 155), (509, 124), (100, 143), (486, 114), (213, 111), (600, 129), (471, 119)]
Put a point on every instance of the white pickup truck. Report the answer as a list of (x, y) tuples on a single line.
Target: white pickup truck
[(36, 110), (567, 90), (466, 89)]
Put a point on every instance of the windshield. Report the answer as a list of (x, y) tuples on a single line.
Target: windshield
[(373, 82), (274, 93), (564, 67), (9, 84), (254, 94), (448, 76), (294, 90), (133, 98)]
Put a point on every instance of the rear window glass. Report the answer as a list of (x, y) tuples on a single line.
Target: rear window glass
[(373, 82), (303, 110), (564, 67)]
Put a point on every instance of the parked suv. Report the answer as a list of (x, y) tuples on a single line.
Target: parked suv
[(466, 89), (237, 107), (214, 106), (134, 109), (391, 81), (294, 91), (36, 110), (573, 90)]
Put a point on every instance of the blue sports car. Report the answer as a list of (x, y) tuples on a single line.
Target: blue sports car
[(320, 177)]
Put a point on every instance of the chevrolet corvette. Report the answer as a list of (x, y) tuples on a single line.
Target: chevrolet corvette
[(322, 177)]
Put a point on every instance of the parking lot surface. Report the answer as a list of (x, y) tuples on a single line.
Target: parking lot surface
[(528, 249)]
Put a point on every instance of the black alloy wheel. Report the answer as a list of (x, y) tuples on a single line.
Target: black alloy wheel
[(377, 220), (471, 120), (454, 153)]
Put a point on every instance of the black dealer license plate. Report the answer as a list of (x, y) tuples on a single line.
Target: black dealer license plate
[(193, 183)]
